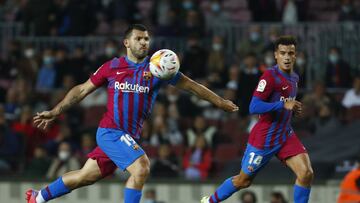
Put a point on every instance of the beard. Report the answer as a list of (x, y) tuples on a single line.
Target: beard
[(138, 53)]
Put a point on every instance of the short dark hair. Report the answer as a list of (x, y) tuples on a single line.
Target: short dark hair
[(132, 27), (285, 40)]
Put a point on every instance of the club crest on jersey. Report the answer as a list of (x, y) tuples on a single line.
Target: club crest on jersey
[(261, 86), (147, 75)]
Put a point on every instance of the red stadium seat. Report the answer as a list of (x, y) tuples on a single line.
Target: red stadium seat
[(353, 113)]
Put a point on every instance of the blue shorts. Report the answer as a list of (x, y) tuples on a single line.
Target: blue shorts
[(254, 159), (119, 146)]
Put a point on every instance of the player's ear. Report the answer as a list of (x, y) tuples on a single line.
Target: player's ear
[(126, 43)]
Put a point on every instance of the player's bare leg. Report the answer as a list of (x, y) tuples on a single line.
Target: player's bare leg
[(229, 187), (139, 172), (301, 166), (87, 175)]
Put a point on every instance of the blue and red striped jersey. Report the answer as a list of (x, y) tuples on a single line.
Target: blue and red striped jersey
[(274, 127), (132, 91)]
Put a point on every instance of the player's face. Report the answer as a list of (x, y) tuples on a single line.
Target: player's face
[(285, 57), (138, 43)]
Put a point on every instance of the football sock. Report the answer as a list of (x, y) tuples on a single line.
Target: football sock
[(39, 198), (54, 190), (132, 195), (301, 194), (224, 191)]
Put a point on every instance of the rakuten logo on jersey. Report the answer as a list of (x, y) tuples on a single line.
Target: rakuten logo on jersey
[(287, 99), (128, 87)]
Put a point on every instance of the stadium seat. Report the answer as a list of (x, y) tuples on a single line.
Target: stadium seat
[(353, 113), (226, 152)]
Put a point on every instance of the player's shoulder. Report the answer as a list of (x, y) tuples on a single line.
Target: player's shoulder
[(269, 73), (295, 76)]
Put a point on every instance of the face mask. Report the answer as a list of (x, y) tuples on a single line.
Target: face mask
[(254, 36), (217, 47), (346, 9), (215, 7), (333, 58), (187, 5), (109, 51), (172, 98), (48, 60), (269, 60), (64, 155), (29, 53), (300, 62)]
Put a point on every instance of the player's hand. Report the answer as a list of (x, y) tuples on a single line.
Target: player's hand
[(228, 106), (44, 119), (298, 110), (292, 105)]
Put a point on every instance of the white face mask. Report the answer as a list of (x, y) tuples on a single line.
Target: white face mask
[(269, 60), (254, 36), (217, 47), (29, 53), (300, 61), (109, 51), (64, 155), (333, 58)]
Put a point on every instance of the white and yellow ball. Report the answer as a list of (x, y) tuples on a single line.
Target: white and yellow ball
[(164, 64)]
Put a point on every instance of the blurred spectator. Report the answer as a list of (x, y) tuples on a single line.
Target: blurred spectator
[(248, 80), (301, 68), (348, 12), (40, 17), (264, 10), (290, 15), (146, 133), (350, 186), (274, 33), (193, 24), (277, 197), (96, 98), (216, 16), (338, 71), (79, 66), (64, 162), (254, 43), (87, 144), (197, 160), (29, 64), (150, 196), (39, 165), (315, 100), (352, 96), (216, 62), (195, 58), (110, 51), (200, 128), (47, 73), (267, 62), (10, 146), (163, 134), (248, 196), (162, 10), (166, 165), (63, 67), (12, 106)]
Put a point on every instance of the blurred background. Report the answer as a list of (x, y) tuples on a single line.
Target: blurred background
[(47, 47)]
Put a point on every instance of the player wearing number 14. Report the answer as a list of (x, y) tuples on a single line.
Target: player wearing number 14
[(275, 100), (132, 91)]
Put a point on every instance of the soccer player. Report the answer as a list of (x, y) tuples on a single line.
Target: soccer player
[(131, 94), (274, 99)]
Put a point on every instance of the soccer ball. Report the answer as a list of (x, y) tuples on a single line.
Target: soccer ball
[(164, 64)]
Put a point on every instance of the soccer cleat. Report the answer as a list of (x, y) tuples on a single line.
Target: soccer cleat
[(205, 199), (31, 196)]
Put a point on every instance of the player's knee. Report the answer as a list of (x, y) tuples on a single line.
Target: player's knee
[(143, 169), (306, 175), (241, 182)]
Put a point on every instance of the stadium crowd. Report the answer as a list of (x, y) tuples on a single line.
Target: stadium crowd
[(185, 136)]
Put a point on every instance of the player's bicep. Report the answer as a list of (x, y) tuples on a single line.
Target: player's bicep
[(265, 87)]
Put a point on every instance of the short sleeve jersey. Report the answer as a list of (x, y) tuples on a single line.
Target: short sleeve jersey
[(132, 91), (274, 127)]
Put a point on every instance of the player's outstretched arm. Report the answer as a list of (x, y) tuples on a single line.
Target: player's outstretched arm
[(75, 95), (203, 92)]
